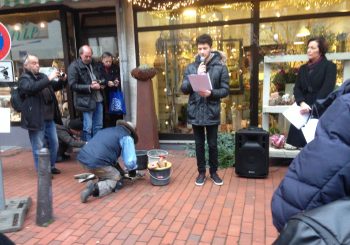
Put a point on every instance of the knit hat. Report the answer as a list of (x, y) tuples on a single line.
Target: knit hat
[(75, 124), (131, 128)]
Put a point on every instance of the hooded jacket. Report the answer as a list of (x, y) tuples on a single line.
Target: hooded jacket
[(206, 111), (320, 173)]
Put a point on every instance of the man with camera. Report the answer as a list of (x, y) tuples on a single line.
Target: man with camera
[(84, 81), (40, 108)]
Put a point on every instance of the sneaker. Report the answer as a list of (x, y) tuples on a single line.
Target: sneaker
[(84, 195), (200, 179), (55, 171), (216, 179)]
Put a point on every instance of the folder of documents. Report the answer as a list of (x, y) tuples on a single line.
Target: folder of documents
[(200, 82)]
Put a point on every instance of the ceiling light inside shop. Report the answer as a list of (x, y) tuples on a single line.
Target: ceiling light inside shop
[(42, 25), (17, 27), (303, 32), (298, 43), (278, 14), (190, 12), (314, 4)]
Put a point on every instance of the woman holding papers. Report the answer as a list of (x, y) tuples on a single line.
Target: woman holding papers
[(316, 79), (203, 110)]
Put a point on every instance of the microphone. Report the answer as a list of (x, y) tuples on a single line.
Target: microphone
[(202, 60)]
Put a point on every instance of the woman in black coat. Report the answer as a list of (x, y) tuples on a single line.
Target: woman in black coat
[(110, 76), (316, 79)]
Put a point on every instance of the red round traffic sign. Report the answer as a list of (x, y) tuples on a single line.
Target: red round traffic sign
[(5, 42)]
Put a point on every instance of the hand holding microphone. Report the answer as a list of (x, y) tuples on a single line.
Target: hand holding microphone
[(202, 68)]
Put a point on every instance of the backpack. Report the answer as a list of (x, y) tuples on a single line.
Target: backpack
[(328, 225), (16, 99)]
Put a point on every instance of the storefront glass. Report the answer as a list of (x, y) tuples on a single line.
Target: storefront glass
[(35, 33), (172, 50), (203, 14), (299, 7)]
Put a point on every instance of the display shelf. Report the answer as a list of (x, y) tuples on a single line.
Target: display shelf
[(275, 109), (283, 153), (267, 109)]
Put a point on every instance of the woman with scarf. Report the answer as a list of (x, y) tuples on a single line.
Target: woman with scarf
[(316, 79)]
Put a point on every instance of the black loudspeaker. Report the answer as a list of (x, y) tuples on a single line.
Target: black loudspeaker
[(252, 153)]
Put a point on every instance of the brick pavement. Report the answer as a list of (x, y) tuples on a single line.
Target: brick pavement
[(180, 213)]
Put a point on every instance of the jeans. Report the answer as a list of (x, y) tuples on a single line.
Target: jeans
[(212, 139), (44, 138), (92, 121)]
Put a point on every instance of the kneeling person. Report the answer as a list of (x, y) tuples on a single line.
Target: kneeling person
[(99, 156)]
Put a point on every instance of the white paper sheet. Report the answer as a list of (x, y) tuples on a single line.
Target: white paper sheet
[(309, 129), (5, 123), (200, 82), (295, 117)]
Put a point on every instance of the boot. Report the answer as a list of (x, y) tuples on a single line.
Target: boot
[(90, 190)]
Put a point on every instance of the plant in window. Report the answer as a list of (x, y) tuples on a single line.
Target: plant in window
[(285, 74)]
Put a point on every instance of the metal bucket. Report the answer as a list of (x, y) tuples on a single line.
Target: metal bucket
[(160, 176), (154, 155), (142, 159)]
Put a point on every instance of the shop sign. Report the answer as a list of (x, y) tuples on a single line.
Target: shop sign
[(5, 42), (28, 31)]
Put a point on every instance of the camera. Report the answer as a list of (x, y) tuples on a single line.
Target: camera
[(101, 82), (62, 75)]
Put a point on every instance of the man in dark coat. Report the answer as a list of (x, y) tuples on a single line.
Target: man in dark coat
[(84, 80), (315, 80), (40, 108), (99, 156), (320, 173), (203, 110), (69, 137)]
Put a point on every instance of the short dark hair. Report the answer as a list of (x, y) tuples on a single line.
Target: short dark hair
[(204, 39), (322, 44), (106, 54)]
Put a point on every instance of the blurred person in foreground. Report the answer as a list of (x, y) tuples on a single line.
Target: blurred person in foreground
[(100, 155)]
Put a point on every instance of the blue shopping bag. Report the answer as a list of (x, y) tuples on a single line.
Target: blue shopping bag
[(116, 102)]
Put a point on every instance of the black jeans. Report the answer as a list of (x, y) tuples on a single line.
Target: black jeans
[(212, 139)]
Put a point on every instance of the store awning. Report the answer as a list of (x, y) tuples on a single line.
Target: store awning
[(15, 3)]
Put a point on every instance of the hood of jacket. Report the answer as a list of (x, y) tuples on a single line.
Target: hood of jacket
[(215, 57)]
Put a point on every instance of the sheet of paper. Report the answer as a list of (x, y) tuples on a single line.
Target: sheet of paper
[(200, 82), (5, 123), (294, 117), (309, 129)]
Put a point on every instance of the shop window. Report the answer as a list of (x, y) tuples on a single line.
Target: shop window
[(171, 51), (34, 33), (298, 7), (203, 14)]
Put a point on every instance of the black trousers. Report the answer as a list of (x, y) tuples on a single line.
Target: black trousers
[(199, 133)]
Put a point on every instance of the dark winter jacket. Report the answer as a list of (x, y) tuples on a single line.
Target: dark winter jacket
[(309, 87), (104, 148), (66, 137), (31, 89), (79, 81), (320, 173), (105, 76), (206, 111)]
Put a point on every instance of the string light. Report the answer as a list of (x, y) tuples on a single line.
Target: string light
[(160, 5), (317, 4)]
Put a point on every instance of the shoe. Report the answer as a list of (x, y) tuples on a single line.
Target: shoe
[(216, 179), (84, 195), (55, 171), (200, 179)]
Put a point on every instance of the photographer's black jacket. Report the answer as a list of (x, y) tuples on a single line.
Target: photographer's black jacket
[(31, 89)]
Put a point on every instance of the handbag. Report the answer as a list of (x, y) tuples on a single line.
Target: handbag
[(116, 102)]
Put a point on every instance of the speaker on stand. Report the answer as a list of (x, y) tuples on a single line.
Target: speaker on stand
[(252, 153)]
